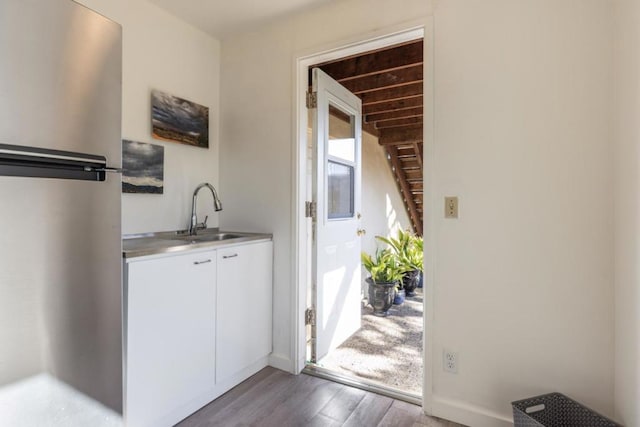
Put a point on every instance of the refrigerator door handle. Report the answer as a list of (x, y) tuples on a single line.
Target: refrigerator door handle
[(112, 170), (36, 162)]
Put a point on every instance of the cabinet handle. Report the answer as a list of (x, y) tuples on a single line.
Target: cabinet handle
[(229, 256), (201, 262)]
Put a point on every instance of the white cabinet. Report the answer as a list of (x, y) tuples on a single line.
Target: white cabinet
[(243, 310), (196, 324), (170, 337)]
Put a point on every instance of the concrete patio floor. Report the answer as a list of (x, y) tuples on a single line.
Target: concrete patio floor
[(386, 350)]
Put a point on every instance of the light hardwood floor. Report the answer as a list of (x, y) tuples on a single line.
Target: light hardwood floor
[(273, 398)]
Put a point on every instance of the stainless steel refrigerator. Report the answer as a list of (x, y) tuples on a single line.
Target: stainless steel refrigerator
[(60, 256)]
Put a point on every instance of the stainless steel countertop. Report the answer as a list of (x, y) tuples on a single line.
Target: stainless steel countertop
[(138, 245)]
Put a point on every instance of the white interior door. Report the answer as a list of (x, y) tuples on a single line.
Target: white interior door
[(337, 124)]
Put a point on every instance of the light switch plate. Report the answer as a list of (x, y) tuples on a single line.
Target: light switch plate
[(451, 207)]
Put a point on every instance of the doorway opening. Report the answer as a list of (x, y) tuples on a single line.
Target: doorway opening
[(384, 354)]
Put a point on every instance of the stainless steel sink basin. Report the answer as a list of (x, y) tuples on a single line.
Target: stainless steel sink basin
[(214, 237)]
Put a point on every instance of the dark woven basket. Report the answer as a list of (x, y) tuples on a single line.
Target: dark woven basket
[(556, 410)]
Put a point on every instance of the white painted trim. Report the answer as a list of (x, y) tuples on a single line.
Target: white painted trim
[(392, 35), (469, 415), (280, 361), (299, 238), (428, 216), (366, 43)]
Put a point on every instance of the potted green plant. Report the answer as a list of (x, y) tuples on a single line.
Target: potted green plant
[(408, 248), (385, 274), (419, 242), (413, 257)]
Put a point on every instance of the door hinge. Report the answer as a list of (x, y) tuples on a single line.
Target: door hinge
[(312, 99), (310, 210), (310, 316)]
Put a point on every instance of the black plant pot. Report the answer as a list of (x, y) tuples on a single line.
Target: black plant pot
[(410, 282), (381, 297)]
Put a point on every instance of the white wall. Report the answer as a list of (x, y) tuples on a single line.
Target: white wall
[(523, 280), (162, 52), (383, 211), (627, 211)]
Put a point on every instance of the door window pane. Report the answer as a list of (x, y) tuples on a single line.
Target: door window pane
[(343, 148), (340, 188), (342, 143)]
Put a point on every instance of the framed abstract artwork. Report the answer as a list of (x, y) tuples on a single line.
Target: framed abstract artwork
[(142, 167), (178, 120)]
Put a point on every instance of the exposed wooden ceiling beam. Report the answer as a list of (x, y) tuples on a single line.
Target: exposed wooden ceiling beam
[(383, 107), (375, 62), (386, 71), (399, 122), (391, 94), (391, 79), (393, 115), (410, 112), (400, 135)]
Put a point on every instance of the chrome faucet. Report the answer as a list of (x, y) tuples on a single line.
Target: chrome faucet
[(217, 205)]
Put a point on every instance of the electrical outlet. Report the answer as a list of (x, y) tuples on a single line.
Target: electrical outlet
[(450, 361), (451, 207)]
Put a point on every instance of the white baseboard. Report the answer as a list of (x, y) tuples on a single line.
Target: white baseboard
[(469, 415), (282, 362)]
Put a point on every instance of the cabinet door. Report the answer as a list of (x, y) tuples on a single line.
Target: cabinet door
[(170, 343), (243, 315)]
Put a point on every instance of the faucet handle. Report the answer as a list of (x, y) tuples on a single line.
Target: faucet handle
[(203, 224)]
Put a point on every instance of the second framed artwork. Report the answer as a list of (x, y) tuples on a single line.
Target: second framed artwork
[(142, 167), (178, 120)]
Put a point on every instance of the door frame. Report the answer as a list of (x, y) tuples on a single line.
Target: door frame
[(301, 269)]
